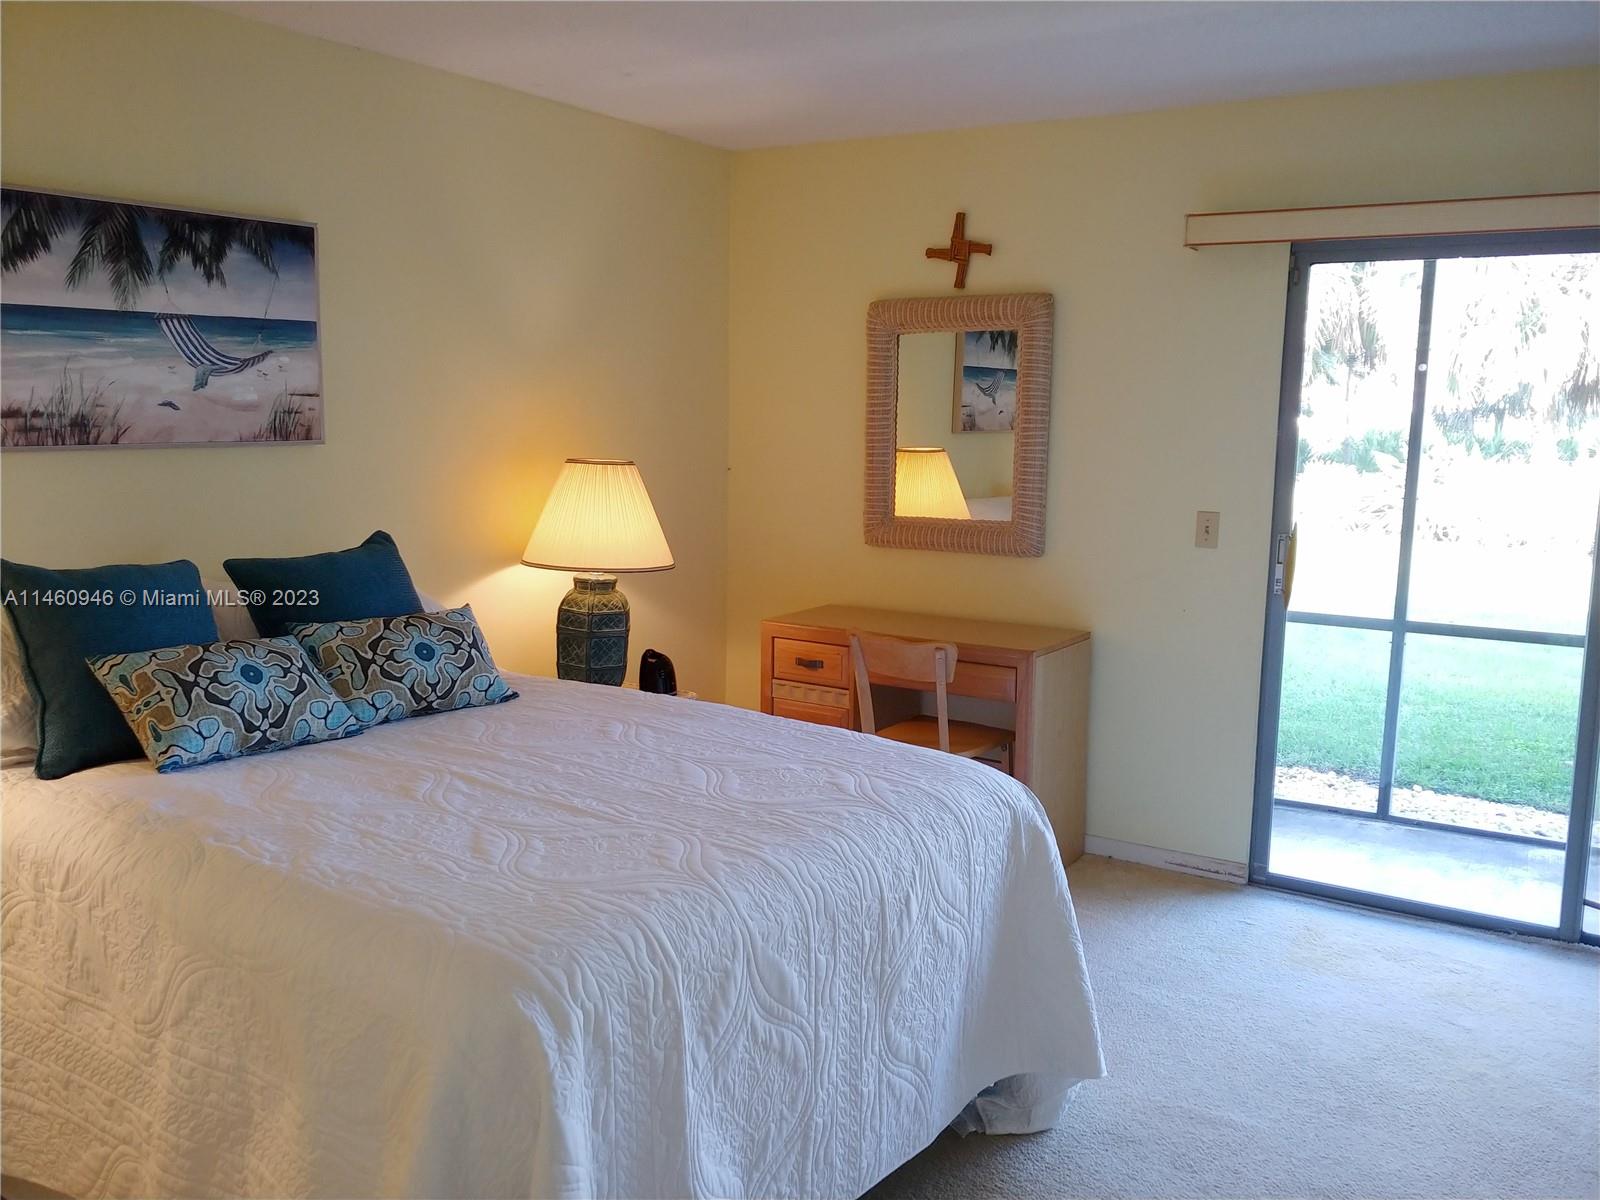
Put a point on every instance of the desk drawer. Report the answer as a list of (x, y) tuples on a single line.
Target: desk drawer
[(810, 662), (985, 682), (810, 693), (817, 714), (982, 681)]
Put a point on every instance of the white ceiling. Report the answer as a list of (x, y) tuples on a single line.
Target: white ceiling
[(744, 75)]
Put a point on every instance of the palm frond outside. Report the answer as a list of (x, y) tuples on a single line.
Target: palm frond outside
[(1347, 338), (1502, 365)]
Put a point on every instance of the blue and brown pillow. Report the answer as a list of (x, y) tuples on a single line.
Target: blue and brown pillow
[(189, 705), (390, 668)]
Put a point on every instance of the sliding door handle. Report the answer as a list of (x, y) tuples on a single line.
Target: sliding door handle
[(1283, 563)]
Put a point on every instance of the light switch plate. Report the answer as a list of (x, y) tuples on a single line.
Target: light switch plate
[(1206, 527)]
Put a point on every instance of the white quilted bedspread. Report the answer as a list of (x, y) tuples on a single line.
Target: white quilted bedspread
[(586, 943)]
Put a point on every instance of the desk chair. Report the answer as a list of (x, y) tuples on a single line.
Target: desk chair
[(899, 663)]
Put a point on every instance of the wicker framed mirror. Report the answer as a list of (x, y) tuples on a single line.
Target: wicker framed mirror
[(958, 423)]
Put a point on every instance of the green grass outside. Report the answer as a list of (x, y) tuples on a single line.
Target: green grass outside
[(1495, 720)]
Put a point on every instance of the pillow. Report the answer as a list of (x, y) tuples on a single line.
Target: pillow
[(197, 704), (19, 713), (64, 617), (390, 668), (370, 580), (234, 623)]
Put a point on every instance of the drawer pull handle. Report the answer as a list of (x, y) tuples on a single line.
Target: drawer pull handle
[(810, 664)]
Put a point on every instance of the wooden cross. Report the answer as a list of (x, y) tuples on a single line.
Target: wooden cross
[(960, 250)]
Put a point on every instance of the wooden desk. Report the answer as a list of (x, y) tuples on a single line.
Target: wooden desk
[(1030, 678)]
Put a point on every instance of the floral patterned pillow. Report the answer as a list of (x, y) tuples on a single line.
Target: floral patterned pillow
[(189, 705), (390, 668)]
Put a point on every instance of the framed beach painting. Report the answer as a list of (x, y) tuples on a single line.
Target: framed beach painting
[(986, 381), (125, 324)]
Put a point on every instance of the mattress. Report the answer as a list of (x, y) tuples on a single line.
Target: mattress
[(586, 943)]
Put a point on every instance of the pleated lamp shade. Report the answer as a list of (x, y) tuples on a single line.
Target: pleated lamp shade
[(598, 518), (925, 484)]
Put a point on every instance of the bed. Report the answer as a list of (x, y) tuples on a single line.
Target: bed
[(589, 942), (989, 508)]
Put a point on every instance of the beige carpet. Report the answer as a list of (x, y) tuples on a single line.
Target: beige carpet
[(1261, 1044)]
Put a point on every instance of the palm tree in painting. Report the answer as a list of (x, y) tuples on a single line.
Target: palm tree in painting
[(111, 239), (1005, 341)]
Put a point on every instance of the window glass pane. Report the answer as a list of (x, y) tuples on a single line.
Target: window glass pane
[(1487, 735), (1485, 742), (1510, 473), (1355, 416), (1330, 720)]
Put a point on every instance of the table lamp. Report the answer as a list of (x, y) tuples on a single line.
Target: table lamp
[(925, 484), (597, 523)]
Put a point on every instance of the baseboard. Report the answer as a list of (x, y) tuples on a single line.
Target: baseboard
[(1171, 860)]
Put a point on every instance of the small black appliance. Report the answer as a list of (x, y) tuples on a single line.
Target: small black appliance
[(656, 673)]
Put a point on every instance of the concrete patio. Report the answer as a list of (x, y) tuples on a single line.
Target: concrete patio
[(1452, 869)]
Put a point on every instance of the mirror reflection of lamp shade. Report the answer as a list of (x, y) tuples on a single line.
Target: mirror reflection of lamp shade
[(925, 484)]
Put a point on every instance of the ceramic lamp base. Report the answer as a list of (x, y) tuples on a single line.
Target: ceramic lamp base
[(592, 631)]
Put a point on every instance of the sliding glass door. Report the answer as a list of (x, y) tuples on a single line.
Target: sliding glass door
[(1429, 698)]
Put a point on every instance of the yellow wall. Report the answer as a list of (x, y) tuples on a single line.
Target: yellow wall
[(1166, 383), (504, 282)]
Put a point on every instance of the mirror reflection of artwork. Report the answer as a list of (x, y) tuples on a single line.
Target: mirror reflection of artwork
[(978, 469), (129, 324), (986, 381)]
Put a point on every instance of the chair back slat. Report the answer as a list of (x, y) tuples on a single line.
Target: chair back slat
[(896, 661), (895, 658), (858, 662)]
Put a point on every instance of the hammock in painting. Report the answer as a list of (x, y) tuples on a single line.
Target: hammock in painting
[(200, 354), (992, 388)]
